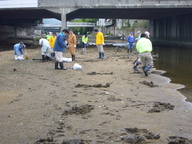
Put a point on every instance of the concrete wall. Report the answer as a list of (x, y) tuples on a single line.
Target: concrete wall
[(174, 28), (107, 3), (10, 31), (6, 31)]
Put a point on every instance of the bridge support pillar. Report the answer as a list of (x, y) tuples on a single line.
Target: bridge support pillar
[(63, 20)]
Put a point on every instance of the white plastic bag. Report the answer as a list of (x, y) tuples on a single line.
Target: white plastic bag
[(77, 66), (67, 60), (20, 58)]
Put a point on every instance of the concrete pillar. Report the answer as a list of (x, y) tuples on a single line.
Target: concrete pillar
[(63, 20)]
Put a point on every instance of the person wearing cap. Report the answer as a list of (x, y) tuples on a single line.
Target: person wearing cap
[(130, 40), (49, 35), (59, 49), (72, 41), (45, 49), (139, 36), (100, 43), (19, 48), (147, 34), (144, 47)]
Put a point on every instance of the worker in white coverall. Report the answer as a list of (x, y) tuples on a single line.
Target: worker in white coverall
[(45, 50)]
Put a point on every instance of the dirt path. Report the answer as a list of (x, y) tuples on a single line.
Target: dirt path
[(104, 103)]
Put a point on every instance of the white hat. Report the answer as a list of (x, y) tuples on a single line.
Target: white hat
[(147, 33), (138, 32)]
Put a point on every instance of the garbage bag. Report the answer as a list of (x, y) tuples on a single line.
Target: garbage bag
[(77, 66)]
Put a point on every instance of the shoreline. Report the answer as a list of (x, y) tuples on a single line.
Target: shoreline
[(39, 103)]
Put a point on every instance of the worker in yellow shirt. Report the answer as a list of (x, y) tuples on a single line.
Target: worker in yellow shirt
[(52, 43), (144, 47), (52, 40), (84, 42), (100, 43)]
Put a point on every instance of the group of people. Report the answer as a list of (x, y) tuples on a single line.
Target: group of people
[(56, 45)]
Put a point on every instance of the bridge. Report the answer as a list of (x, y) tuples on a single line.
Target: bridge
[(69, 24), (57, 27), (168, 18), (112, 9)]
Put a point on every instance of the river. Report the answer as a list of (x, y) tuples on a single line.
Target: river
[(177, 62)]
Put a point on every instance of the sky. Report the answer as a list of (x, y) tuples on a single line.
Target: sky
[(51, 21)]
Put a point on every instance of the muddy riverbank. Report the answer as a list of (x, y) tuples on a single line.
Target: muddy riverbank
[(105, 102)]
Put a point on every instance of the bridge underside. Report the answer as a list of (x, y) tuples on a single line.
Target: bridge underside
[(131, 13), (113, 13), (25, 16)]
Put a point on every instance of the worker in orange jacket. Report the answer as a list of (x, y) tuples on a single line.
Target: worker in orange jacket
[(72, 41)]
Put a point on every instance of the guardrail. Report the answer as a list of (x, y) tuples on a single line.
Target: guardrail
[(163, 1), (69, 24)]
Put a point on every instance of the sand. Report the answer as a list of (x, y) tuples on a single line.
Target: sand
[(105, 102)]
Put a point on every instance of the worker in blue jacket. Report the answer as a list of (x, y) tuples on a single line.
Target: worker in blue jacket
[(130, 40), (59, 49), (19, 48)]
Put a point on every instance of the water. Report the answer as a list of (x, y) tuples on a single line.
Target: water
[(177, 62)]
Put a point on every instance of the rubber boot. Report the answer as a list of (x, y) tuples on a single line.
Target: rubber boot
[(147, 68), (73, 57), (62, 67), (135, 68), (43, 58), (102, 55), (47, 58), (56, 64), (15, 57), (99, 55), (144, 70)]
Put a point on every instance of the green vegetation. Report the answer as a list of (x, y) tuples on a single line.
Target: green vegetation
[(82, 30), (136, 24), (142, 23)]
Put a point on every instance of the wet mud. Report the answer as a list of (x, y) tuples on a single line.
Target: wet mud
[(83, 109), (149, 84), (136, 135), (101, 104), (96, 73), (179, 140), (95, 85), (159, 107)]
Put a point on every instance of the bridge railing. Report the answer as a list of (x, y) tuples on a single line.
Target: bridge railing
[(69, 24), (159, 1)]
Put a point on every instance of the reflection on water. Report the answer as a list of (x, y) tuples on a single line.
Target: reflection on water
[(177, 62)]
